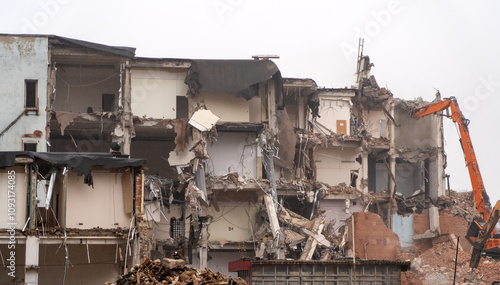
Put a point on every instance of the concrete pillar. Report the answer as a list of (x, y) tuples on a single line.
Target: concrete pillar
[(126, 121), (136, 255), (259, 162), (392, 164), (273, 217), (421, 175), (440, 159), (364, 172), (301, 112), (392, 151), (434, 219), (31, 261), (271, 107), (204, 246)]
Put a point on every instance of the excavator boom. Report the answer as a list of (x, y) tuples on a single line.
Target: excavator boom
[(481, 198), (479, 233), (482, 238)]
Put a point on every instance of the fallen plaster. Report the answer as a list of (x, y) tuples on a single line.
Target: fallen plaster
[(65, 119), (181, 158), (118, 131), (203, 120)]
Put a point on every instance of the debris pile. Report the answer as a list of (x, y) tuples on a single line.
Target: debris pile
[(433, 260), (462, 204), (437, 265), (173, 271)]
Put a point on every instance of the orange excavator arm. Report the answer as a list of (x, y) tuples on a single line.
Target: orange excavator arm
[(481, 198), (483, 236)]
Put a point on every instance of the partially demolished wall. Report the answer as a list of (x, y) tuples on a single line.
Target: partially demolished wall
[(279, 179), (243, 163)]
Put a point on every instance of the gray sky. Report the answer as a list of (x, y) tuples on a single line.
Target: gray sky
[(416, 46)]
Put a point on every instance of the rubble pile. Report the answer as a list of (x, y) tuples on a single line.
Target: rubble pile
[(462, 204), (173, 271), (437, 264), (433, 261)]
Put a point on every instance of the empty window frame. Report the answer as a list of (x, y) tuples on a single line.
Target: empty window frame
[(30, 146), (30, 95)]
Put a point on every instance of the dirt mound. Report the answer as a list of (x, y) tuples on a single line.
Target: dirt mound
[(437, 265)]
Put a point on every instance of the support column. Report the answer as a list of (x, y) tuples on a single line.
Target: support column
[(136, 254), (440, 159), (271, 107), (364, 172), (273, 217), (204, 246), (392, 165), (269, 166), (127, 109), (434, 220), (31, 261)]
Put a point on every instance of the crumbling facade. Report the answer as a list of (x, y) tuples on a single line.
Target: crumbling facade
[(241, 162)]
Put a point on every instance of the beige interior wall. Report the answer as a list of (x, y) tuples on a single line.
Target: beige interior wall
[(154, 92), (102, 267), (161, 226), (375, 121), (334, 165), (418, 133), (101, 206), (232, 223), (20, 195), (333, 109), (255, 109), (227, 106), (338, 210), (233, 152)]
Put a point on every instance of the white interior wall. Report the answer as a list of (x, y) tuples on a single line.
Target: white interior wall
[(376, 123), (78, 88), (228, 107), (22, 58), (334, 165), (419, 133), (338, 210), (233, 152), (434, 178), (332, 109), (382, 177), (161, 226), (20, 194), (154, 92), (233, 222), (408, 178), (101, 206)]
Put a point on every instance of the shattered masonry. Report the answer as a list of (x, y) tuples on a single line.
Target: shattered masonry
[(241, 163)]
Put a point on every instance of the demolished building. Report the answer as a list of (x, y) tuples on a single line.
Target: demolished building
[(241, 162)]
